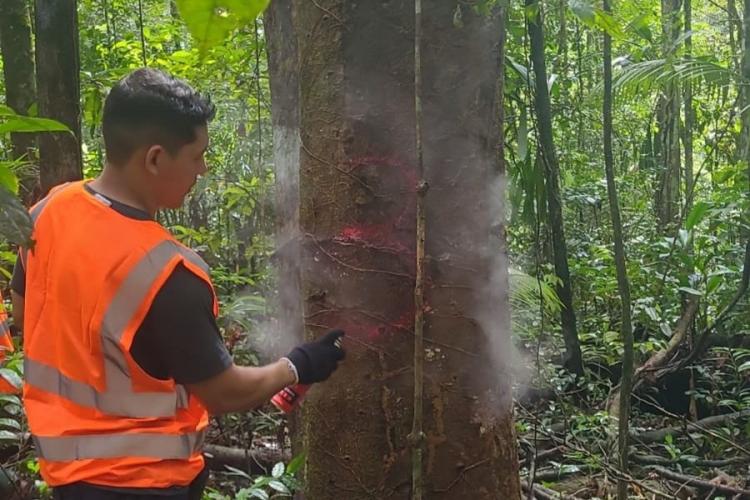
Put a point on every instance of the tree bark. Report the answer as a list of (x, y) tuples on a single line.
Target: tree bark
[(20, 87), (281, 43), (667, 196), (572, 357), (357, 196), (689, 112), (623, 285), (57, 81)]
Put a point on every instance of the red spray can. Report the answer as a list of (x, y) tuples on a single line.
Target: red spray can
[(289, 398)]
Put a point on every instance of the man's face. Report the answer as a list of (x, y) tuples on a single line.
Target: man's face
[(176, 174)]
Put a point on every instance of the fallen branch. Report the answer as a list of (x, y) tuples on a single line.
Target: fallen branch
[(699, 426), (644, 459), (256, 461), (659, 359), (699, 483), (553, 474), (543, 493)]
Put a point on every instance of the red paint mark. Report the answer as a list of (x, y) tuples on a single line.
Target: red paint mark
[(394, 235), (374, 236)]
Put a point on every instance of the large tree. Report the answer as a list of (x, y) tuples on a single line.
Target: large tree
[(357, 197), (20, 86), (57, 79)]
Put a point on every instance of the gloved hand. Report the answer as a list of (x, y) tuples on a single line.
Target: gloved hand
[(316, 361)]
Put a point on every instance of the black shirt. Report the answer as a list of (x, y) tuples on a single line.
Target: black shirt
[(178, 339)]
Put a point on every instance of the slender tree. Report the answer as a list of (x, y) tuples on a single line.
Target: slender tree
[(20, 86), (57, 82), (667, 195), (623, 285), (572, 358), (689, 121)]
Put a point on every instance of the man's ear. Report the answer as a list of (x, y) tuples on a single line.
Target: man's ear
[(154, 158)]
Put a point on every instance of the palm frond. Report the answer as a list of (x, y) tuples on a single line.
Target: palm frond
[(526, 291), (646, 75)]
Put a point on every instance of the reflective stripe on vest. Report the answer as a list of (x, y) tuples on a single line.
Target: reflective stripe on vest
[(4, 327), (118, 398), (164, 446)]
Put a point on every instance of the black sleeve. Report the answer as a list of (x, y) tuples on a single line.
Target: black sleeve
[(18, 280), (179, 337)]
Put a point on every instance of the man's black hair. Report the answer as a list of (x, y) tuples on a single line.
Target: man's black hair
[(150, 107)]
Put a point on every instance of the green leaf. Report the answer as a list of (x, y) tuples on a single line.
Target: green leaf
[(20, 123), (278, 486), (278, 470), (15, 223), (10, 423), (691, 291), (713, 283), (211, 21), (583, 10), (744, 366), (696, 214), (295, 464), (8, 179), (640, 25), (8, 436), (11, 377), (258, 493)]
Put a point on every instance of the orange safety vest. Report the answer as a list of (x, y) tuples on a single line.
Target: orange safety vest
[(6, 345), (94, 414)]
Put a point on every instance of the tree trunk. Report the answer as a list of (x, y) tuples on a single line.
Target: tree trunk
[(689, 113), (623, 285), (281, 44), (20, 87), (744, 101), (667, 196), (357, 193), (57, 82), (572, 357)]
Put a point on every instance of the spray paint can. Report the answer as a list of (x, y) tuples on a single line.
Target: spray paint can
[(289, 398)]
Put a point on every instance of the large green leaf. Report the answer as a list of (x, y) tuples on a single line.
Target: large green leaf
[(8, 178), (11, 377), (595, 17), (211, 21), (19, 123), (696, 214), (15, 222)]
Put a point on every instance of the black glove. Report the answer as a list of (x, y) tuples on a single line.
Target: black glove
[(316, 361)]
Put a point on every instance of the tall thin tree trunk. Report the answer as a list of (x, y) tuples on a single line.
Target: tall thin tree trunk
[(57, 80), (689, 112), (572, 357), (736, 35), (20, 87), (667, 196), (357, 191), (744, 101), (623, 285)]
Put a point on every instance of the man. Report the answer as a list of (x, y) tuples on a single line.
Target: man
[(123, 357)]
